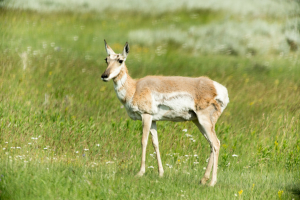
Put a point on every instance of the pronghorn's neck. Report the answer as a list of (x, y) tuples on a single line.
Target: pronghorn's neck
[(124, 85)]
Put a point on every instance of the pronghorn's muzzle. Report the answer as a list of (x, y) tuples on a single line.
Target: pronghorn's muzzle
[(104, 77)]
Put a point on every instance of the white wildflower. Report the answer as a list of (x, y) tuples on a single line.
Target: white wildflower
[(234, 155), (188, 135), (151, 167), (184, 130), (88, 57)]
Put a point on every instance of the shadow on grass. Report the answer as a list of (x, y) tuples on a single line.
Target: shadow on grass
[(295, 190)]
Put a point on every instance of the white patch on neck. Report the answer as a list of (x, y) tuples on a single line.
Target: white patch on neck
[(119, 87), (120, 83)]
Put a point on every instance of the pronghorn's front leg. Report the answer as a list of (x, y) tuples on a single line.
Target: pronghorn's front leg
[(146, 120), (153, 131)]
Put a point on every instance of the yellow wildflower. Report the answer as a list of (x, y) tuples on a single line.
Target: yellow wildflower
[(280, 192), (240, 192)]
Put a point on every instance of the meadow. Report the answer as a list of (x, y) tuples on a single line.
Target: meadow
[(65, 135)]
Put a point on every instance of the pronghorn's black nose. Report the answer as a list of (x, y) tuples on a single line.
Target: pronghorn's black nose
[(104, 76)]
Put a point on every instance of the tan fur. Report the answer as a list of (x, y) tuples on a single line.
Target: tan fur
[(142, 99), (129, 85)]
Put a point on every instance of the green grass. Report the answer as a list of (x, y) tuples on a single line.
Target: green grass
[(58, 107)]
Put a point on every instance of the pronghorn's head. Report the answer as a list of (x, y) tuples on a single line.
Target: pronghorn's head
[(115, 62)]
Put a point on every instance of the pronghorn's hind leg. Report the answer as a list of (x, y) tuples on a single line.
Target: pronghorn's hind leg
[(147, 121), (153, 131), (210, 160), (206, 124)]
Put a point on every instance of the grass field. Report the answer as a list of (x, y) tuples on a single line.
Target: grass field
[(64, 134)]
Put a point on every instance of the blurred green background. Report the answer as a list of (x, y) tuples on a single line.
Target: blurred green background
[(65, 135)]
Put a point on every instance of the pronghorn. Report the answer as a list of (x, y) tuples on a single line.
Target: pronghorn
[(171, 98)]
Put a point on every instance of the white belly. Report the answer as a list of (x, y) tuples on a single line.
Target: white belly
[(173, 107), (177, 106), (168, 114)]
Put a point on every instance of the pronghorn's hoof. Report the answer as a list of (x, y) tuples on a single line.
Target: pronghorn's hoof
[(203, 180), (140, 174), (161, 174), (212, 183)]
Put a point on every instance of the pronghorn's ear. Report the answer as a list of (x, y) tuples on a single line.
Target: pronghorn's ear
[(109, 50), (125, 50)]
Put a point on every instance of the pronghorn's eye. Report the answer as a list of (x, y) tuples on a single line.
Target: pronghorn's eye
[(120, 61), (105, 60)]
